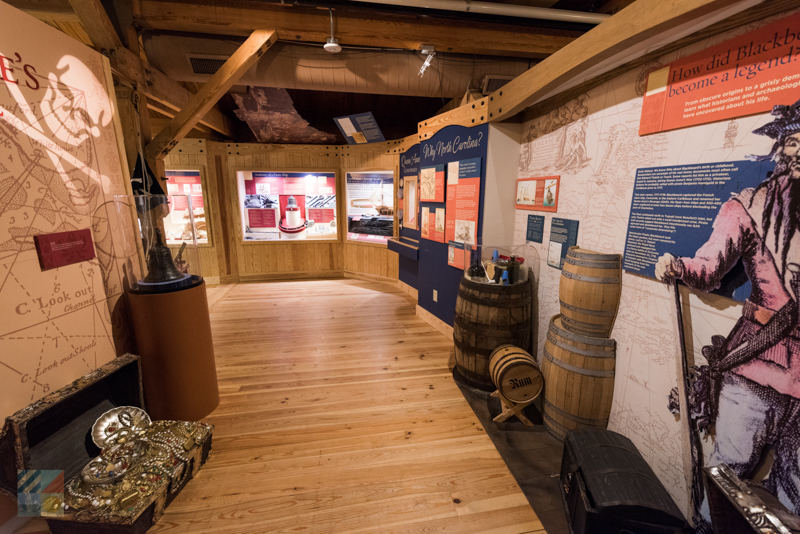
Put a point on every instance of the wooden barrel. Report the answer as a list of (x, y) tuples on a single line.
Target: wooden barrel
[(589, 291), (515, 373), (578, 373), (486, 317)]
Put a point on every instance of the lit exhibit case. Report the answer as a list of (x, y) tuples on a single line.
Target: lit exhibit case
[(180, 184), (370, 206), (287, 205), (165, 268)]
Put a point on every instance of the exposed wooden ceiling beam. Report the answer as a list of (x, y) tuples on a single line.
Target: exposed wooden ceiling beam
[(163, 89), (46, 9), (153, 83), (626, 30), (95, 20), (294, 23), (240, 62)]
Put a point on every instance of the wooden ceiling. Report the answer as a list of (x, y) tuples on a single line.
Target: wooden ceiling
[(355, 24)]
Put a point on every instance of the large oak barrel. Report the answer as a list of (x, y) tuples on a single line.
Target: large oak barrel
[(488, 316), (589, 291), (579, 380), (515, 373)]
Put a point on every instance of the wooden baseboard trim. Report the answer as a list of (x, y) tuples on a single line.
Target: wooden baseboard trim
[(369, 277), (408, 290), (444, 328), (298, 275), (211, 280)]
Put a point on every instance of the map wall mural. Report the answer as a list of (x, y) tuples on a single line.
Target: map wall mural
[(593, 143), (60, 169)]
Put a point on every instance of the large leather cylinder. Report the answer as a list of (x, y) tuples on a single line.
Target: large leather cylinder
[(173, 333)]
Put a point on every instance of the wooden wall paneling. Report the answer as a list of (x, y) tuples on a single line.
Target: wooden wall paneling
[(275, 259)]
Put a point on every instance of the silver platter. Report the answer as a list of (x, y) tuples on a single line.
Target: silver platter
[(119, 425)]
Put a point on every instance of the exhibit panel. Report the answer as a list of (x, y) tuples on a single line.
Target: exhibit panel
[(195, 154), (63, 163), (183, 183), (667, 200), (370, 205), (287, 205)]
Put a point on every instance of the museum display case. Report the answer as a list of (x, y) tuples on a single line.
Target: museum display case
[(287, 205), (168, 253), (181, 184), (370, 206)]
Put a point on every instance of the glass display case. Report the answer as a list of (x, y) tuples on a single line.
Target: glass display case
[(496, 264), (183, 183), (167, 264), (287, 205), (370, 206)]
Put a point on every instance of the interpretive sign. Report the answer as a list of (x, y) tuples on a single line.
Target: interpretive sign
[(360, 128), (540, 194), (463, 202), (535, 229), (64, 248), (748, 74), (674, 208), (563, 234)]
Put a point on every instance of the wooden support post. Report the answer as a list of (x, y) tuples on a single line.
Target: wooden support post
[(239, 63)]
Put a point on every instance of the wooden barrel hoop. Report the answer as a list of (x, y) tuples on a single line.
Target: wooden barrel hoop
[(488, 316), (589, 291), (579, 376)]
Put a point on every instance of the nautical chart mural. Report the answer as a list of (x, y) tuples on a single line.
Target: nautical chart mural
[(59, 171)]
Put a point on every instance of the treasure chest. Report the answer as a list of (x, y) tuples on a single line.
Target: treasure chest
[(608, 488), (745, 507), (120, 470)]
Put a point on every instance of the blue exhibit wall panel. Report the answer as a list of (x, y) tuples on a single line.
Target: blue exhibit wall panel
[(409, 166), (453, 143)]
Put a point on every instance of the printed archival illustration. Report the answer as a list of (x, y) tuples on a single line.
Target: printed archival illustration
[(764, 227), (59, 171), (750, 389)]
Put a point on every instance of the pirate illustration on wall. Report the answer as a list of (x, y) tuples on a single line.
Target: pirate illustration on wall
[(750, 389)]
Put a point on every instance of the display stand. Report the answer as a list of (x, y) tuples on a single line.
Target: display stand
[(511, 408), (173, 334)]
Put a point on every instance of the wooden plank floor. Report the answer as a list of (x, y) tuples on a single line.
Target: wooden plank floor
[(339, 413)]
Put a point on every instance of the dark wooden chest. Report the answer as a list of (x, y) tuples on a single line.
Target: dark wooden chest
[(608, 488), (55, 434)]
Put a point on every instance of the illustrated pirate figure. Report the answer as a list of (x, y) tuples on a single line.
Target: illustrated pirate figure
[(751, 386)]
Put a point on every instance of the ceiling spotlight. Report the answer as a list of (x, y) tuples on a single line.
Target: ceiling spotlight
[(429, 51), (332, 45)]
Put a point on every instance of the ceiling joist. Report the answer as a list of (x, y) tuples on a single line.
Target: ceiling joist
[(205, 99), (391, 30)]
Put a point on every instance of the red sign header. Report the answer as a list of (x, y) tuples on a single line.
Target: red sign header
[(748, 74)]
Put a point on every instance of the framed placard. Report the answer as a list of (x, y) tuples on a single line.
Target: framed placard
[(431, 184), (411, 203), (539, 194)]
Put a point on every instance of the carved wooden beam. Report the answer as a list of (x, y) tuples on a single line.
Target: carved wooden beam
[(626, 30), (95, 20), (353, 27), (239, 63)]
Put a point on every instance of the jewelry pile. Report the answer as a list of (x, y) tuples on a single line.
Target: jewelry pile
[(138, 456)]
